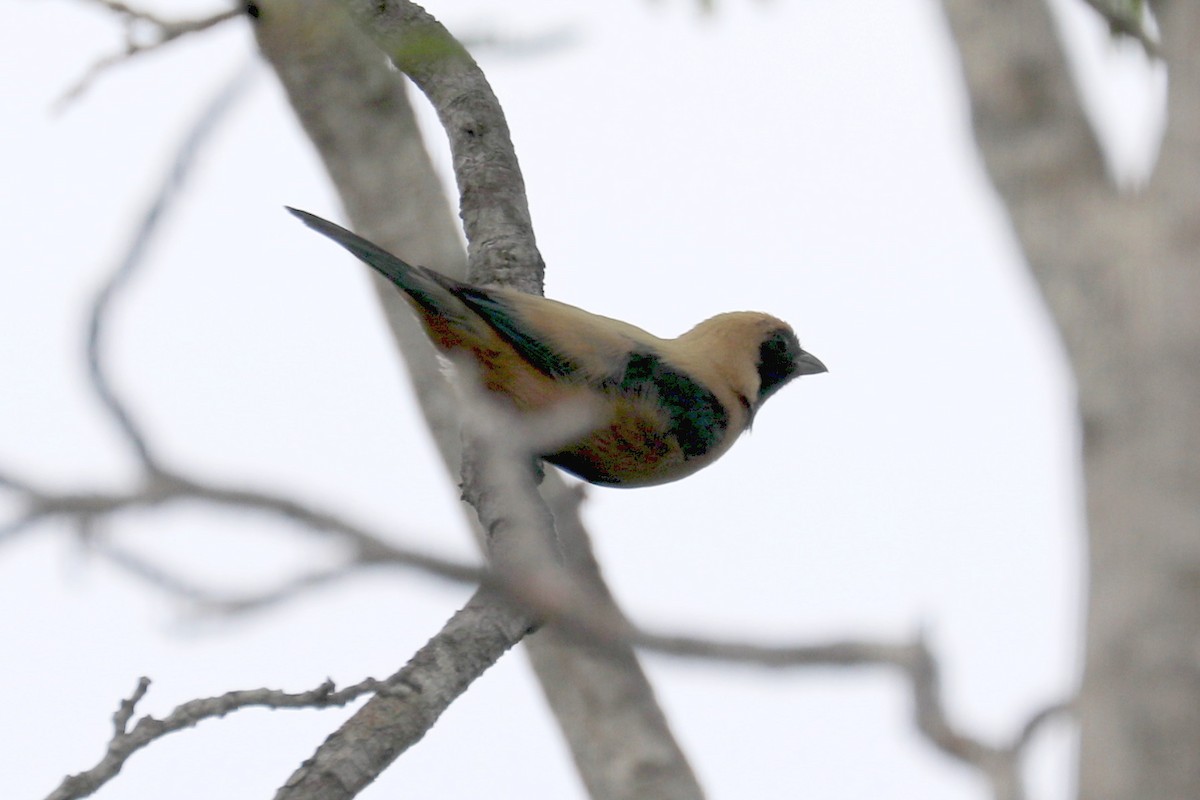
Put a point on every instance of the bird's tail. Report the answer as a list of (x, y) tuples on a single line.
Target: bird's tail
[(425, 287)]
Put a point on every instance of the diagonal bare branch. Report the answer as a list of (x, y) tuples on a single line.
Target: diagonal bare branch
[(389, 723), (522, 551)]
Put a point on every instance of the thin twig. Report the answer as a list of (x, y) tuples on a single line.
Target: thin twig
[(1034, 724), (368, 547), (287, 590), (27, 518), (833, 654), (198, 135), (128, 706), (549, 596), (125, 743), (914, 661), (164, 31), (207, 601), (153, 574), (925, 675)]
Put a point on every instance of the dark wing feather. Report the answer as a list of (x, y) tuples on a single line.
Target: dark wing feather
[(508, 324), (413, 280), (416, 281)]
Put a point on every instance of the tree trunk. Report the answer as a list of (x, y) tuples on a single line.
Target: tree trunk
[(1121, 276)]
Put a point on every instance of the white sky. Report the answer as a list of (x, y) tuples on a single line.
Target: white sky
[(808, 159)]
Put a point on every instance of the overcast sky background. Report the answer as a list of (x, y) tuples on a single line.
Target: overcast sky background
[(812, 160)]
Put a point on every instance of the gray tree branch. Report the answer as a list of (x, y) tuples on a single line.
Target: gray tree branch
[(408, 703), (125, 741), (354, 755), (495, 213)]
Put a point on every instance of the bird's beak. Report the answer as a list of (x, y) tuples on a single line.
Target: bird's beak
[(808, 364)]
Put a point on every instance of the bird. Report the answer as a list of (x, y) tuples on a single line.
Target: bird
[(658, 409)]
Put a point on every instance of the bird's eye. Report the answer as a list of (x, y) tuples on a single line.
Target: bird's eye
[(776, 362), (744, 401)]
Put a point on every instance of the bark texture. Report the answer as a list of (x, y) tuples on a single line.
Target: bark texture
[(355, 110), (401, 714), (492, 202), (1121, 276)]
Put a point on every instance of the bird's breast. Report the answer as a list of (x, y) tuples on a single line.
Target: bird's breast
[(659, 425)]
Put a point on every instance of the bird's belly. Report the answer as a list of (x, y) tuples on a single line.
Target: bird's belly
[(635, 448)]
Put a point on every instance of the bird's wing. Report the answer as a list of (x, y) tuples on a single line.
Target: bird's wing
[(557, 340), (504, 319), (427, 288), (618, 360)]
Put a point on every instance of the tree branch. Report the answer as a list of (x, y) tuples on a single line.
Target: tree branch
[(211, 115), (368, 547), (124, 743), (162, 32), (495, 213), (521, 546), (413, 699), (354, 755), (207, 601), (1045, 161), (1118, 274)]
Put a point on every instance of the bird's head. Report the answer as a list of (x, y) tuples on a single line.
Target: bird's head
[(780, 358), (755, 354)]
